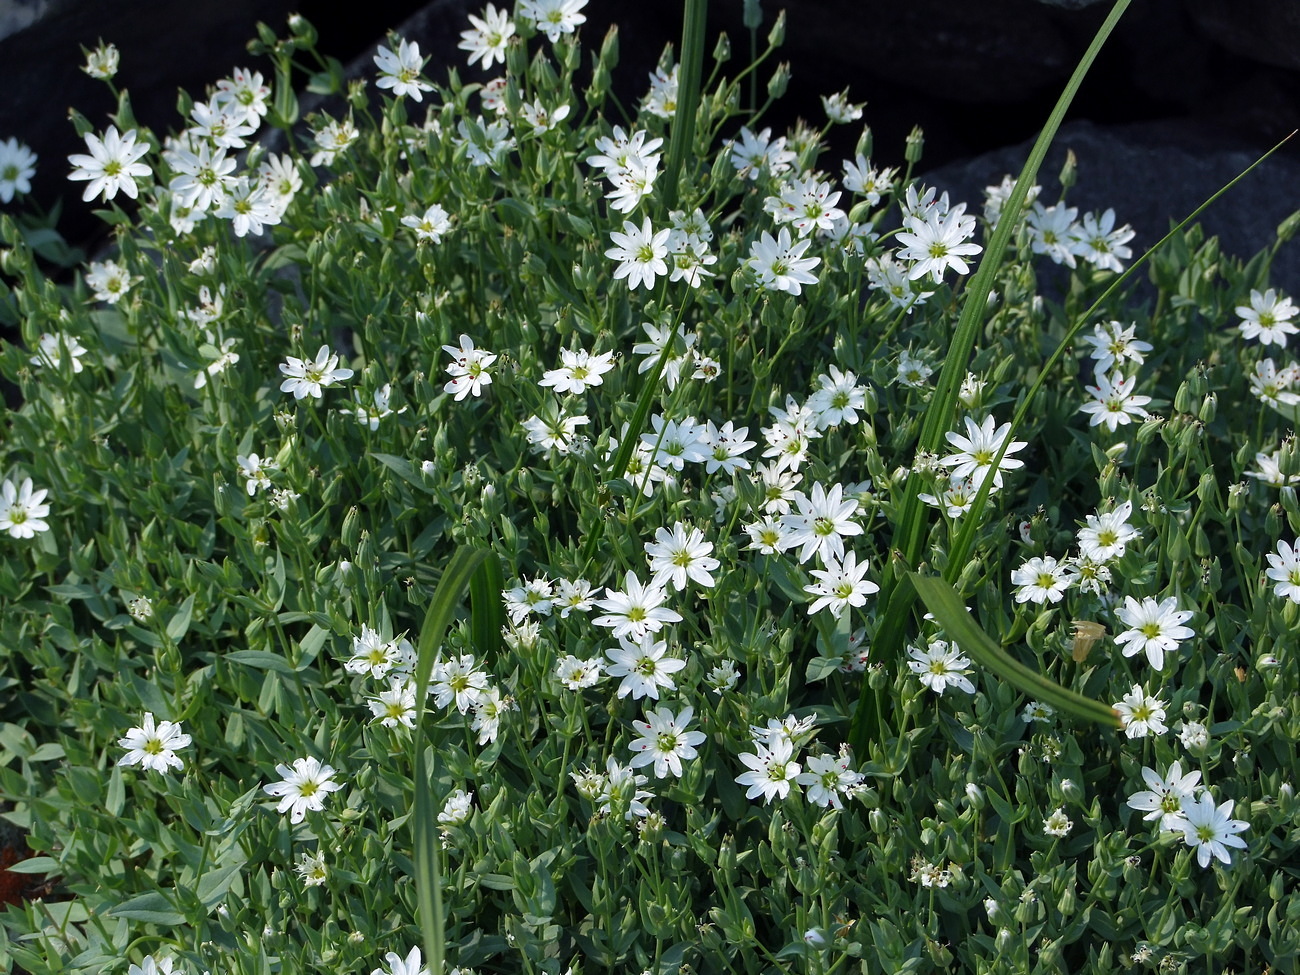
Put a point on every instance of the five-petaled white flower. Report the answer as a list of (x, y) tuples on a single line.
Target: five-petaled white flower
[(1153, 628), (840, 585), (1114, 402), (17, 167), (940, 665), (22, 510), (489, 36), (640, 252), (431, 226), (1267, 318), (153, 747), (1284, 569), (643, 665), (304, 787), (468, 369), (1141, 714), (772, 770), (1164, 796), (676, 556), (1106, 536), (1043, 580), (664, 741), (554, 17), (400, 70), (305, 377), (1210, 830), (112, 164), (827, 778), (823, 521), (779, 265), (976, 451), (938, 242)]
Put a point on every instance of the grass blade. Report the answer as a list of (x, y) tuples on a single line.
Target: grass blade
[(949, 611), (456, 579)]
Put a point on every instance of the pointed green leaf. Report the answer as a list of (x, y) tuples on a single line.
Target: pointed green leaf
[(949, 611)]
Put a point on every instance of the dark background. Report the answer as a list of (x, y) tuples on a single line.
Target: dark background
[(1205, 77)]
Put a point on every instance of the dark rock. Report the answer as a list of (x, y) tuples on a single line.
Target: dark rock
[(1152, 174), (1259, 30)]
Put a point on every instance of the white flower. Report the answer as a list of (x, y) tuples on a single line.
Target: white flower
[(827, 778), (110, 281), (395, 705), (468, 369), (1043, 580), (153, 747), (305, 377), (937, 242), (839, 109), (457, 809), (378, 409), (976, 451), (768, 536), (312, 869), (201, 176), (22, 511), (1052, 231), (397, 965), (1210, 830), (822, 523), (488, 38), (643, 667), (618, 790), (573, 596), (304, 787), (840, 585), (458, 681), (244, 93), (331, 139), (665, 741), (488, 711), (939, 665), (1114, 402), (1100, 244), (676, 556), (772, 770), (543, 119), (779, 265), (1112, 344), (152, 966), (578, 370), (400, 70), (1284, 569), (373, 655), (1037, 711), (111, 165), (1193, 736), (1057, 824), (1164, 796), (575, 673), (759, 154), (101, 63), (222, 123), (1267, 318), (1153, 628), (17, 167), (1140, 714), (1105, 537), (50, 351), (256, 471), (431, 226), (640, 253), (554, 17)]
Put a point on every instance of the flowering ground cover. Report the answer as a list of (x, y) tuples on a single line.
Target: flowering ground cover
[(513, 530)]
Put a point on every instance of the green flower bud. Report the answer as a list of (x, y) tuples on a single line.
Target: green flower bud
[(779, 81), (915, 145)]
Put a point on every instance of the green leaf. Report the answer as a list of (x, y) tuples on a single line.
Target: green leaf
[(456, 578), (261, 659), (179, 624), (152, 908), (949, 611)]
